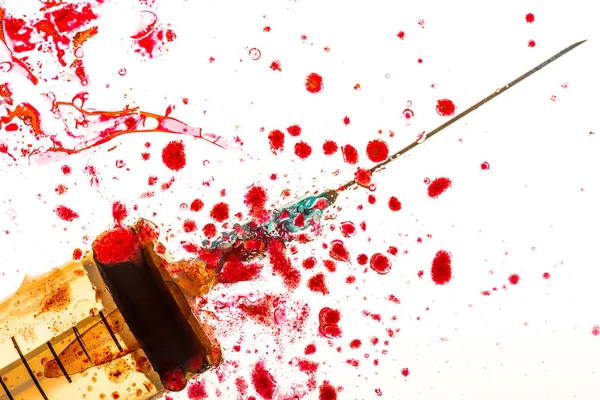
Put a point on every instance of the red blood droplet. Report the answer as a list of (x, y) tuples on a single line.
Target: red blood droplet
[(234, 270), (394, 204), (220, 212), (596, 330), (355, 344), (263, 381), (401, 35), (119, 212), (302, 150), (438, 186), (405, 371), (329, 316), (174, 379), (380, 264), (514, 279), (77, 254), (338, 251), (371, 199), (173, 155), (115, 246), (362, 259), (441, 269), (445, 107), (310, 349), (256, 199), (377, 150), (309, 263), (189, 226), (196, 205), (317, 284), (330, 147), (209, 230), (546, 275), (350, 154), (66, 170), (65, 213), (531, 43), (348, 229), (314, 83), (294, 130), (330, 265), (363, 177), (197, 391), (282, 265), (346, 120), (529, 18), (327, 392), (276, 140), (485, 165)]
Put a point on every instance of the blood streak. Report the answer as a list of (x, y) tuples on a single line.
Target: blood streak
[(173, 155), (66, 213), (314, 83), (441, 268), (438, 186), (445, 107), (263, 381), (282, 265), (377, 150)]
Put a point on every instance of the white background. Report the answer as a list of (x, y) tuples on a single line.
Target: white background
[(533, 211)]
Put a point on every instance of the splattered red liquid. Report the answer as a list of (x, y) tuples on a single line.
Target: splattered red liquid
[(327, 392), (377, 150), (338, 251), (314, 83), (380, 264), (445, 107), (302, 150), (485, 165), (328, 322), (209, 231), (317, 284), (196, 205), (348, 229), (282, 265), (394, 204), (438, 186), (363, 177), (514, 279), (119, 212), (276, 140), (329, 147), (309, 263), (531, 43), (401, 35), (115, 246), (189, 226), (220, 212), (529, 18), (66, 213), (263, 381), (294, 130), (441, 268), (256, 199), (405, 371), (173, 155), (197, 391), (350, 154)]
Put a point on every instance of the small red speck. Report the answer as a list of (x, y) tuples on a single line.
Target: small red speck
[(351, 279), (220, 212), (401, 35), (276, 65), (514, 279), (267, 29), (145, 156), (303, 37), (294, 130), (170, 34), (546, 275), (310, 349), (66, 213), (60, 189), (529, 18), (302, 150), (346, 120), (596, 330), (173, 155), (371, 199), (314, 83), (362, 259), (196, 205), (209, 230), (350, 154), (330, 147), (420, 274), (438, 186), (66, 170), (445, 107), (189, 226), (441, 270), (420, 61), (317, 284), (380, 264), (377, 150), (276, 140), (405, 371), (394, 204), (485, 165), (531, 43), (77, 254)]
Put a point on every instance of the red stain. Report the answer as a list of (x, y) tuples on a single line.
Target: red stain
[(235, 271), (302, 150), (371, 199), (445, 107), (77, 254), (189, 226), (241, 385), (348, 229), (317, 284), (441, 269), (405, 371), (514, 279), (196, 205), (401, 35), (363, 177), (294, 130), (309, 263), (355, 344), (529, 18), (438, 186), (256, 199), (209, 230), (314, 83), (531, 43), (377, 150), (546, 275), (173, 155), (350, 154), (282, 265), (596, 330), (485, 165), (380, 264), (346, 120), (362, 259), (330, 265), (66, 170), (60, 189), (66, 213), (394, 204), (275, 65), (263, 381), (276, 140), (310, 349), (220, 212), (328, 322), (338, 251), (115, 246), (197, 391), (329, 147), (119, 212), (327, 392)]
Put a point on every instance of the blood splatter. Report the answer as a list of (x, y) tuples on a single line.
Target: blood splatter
[(346, 120), (275, 65), (115, 246), (350, 154), (362, 259), (596, 330), (66, 213), (529, 18), (445, 107), (309, 263), (173, 155), (441, 268), (310, 349), (282, 265), (355, 344), (263, 381), (276, 140), (255, 200), (314, 83), (394, 204), (514, 279), (317, 284), (531, 43), (401, 35), (363, 177), (328, 322), (546, 275), (209, 230), (302, 150), (377, 150), (380, 263), (348, 229), (330, 147), (338, 251), (294, 130), (327, 392), (196, 205), (220, 212), (234, 270), (77, 254), (405, 371), (438, 186), (189, 226), (485, 165), (197, 390), (119, 212)]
